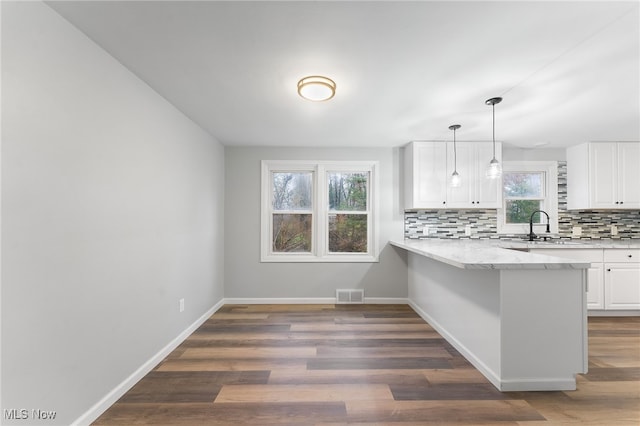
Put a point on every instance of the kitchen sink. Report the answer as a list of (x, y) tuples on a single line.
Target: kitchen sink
[(555, 242)]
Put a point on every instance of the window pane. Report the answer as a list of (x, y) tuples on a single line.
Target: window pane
[(348, 191), (519, 211), (292, 191), (291, 233), (522, 184), (348, 233)]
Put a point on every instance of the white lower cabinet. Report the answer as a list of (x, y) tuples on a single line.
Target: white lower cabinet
[(613, 281), (595, 282), (621, 279)]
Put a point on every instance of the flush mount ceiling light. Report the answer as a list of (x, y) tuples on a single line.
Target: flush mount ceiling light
[(494, 170), (316, 88), (455, 177)]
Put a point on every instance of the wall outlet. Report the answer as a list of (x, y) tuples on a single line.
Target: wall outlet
[(614, 230), (181, 305), (467, 230), (576, 231)]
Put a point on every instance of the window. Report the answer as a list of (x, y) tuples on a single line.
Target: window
[(319, 211), (528, 186)]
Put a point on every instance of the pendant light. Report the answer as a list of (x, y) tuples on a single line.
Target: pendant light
[(454, 180), (494, 170)]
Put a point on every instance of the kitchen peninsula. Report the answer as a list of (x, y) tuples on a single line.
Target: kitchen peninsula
[(519, 318)]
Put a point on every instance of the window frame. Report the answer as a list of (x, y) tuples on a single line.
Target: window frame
[(550, 199), (320, 211)]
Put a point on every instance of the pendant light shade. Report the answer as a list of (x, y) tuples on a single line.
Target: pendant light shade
[(494, 171), (455, 180)]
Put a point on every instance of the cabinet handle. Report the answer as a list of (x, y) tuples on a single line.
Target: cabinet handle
[(621, 202), (630, 256), (608, 270), (444, 202), (617, 202), (473, 202)]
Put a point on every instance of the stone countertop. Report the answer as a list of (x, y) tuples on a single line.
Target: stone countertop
[(485, 254)]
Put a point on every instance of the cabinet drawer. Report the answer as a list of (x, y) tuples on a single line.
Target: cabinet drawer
[(622, 255)]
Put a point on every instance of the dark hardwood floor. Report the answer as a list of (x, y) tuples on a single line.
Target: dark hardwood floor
[(364, 365)]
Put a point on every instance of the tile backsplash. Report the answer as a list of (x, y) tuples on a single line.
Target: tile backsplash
[(595, 224)]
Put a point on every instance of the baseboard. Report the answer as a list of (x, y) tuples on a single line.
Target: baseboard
[(603, 313), (526, 384), (308, 300), (101, 406), (279, 300), (386, 300)]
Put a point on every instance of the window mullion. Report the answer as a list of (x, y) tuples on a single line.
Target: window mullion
[(321, 208)]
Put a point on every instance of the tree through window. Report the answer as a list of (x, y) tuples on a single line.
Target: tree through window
[(528, 186)]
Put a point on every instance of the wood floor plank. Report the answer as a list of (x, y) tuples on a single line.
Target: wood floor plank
[(361, 327), (303, 393), (238, 316), (446, 412), (192, 414), (447, 391), (376, 363), (380, 320), (589, 391), (198, 386), (618, 374), (231, 364), (382, 352), (454, 375), (287, 352), (409, 376)]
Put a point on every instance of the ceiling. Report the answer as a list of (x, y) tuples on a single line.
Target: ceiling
[(569, 72)]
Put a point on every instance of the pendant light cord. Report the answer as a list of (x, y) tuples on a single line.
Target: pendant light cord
[(493, 108), (455, 153)]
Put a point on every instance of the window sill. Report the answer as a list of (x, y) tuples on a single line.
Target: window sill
[(320, 259)]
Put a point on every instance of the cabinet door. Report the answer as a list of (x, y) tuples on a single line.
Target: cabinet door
[(429, 175), (622, 285), (628, 175), (488, 191), (595, 293), (476, 190), (603, 177), (462, 196)]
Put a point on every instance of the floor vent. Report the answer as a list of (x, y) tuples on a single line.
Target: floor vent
[(349, 296)]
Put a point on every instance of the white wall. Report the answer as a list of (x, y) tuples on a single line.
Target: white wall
[(111, 212), (246, 277)]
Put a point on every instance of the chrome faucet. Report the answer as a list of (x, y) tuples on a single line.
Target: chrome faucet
[(531, 235)]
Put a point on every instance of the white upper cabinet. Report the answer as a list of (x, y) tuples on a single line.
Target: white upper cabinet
[(603, 175), (425, 177), (428, 167), (475, 190)]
